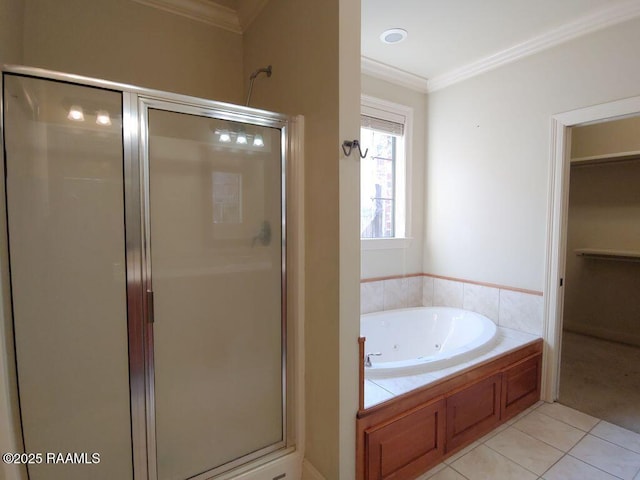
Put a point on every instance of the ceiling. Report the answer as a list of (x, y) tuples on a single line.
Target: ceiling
[(445, 36)]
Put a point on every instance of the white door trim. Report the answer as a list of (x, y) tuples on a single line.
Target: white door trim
[(558, 195)]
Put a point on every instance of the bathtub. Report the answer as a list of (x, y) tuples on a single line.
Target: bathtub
[(423, 339)]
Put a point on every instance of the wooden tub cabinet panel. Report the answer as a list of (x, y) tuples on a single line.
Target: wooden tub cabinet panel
[(473, 411), (521, 386), (405, 446), (408, 434)]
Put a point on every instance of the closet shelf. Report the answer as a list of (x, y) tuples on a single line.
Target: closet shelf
[(607, 158), (603, 254)]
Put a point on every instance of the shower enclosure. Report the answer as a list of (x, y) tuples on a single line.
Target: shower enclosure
[(147, 264)]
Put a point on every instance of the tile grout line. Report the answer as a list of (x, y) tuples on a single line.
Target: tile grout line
[(517, 463), (609, 441), (495, 451), (564, 454), (594, 466), (567, 453), (527, 413), (566, 423), (499, 301), (383, 388), (460, 473), (542, 441), (584, 434)]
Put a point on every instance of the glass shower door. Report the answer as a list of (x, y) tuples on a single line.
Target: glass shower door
[(64, 190), (214, 233)]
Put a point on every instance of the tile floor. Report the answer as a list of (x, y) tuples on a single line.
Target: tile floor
[(601, 378), (549, 441)]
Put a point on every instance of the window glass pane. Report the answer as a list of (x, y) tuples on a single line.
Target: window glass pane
[(377, 184)]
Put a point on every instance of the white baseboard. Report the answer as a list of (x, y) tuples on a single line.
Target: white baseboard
[(309, 472)]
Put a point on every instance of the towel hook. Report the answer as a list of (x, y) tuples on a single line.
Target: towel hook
[(351, 144)]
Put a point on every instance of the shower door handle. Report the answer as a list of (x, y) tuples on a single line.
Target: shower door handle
[(263, 236), (150, 313)]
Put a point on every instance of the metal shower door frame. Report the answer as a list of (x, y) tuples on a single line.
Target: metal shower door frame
[(135, 104), (171, 103)]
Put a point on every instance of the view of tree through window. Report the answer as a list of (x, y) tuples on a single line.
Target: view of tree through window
[(377, 184)]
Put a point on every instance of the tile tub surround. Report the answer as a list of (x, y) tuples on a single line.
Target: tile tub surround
[(382, 389), (584, 447), (511, 308)]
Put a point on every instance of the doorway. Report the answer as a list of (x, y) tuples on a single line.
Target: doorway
[(600, 361), (563, 255)]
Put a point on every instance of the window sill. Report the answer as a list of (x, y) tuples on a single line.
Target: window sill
[(384, 243)]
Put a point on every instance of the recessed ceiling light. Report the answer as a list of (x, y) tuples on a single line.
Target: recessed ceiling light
[(393, 35), (258, 141), (241, 139), (102, 118), (225, 137), (76, 113)]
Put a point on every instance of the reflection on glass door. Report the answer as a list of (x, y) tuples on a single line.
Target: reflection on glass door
[(64, 189), (215, 233)]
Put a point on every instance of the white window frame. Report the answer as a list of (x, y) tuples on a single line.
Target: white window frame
[(394, 112)]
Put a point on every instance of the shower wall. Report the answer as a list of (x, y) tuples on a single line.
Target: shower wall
[(124, 41), (11, 31)]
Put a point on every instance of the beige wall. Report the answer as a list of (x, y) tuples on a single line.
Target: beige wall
[(489, 148), (123, 41), (11, 19), (601, 296), (614, 137), (305, 56), (400, 261), (349, 177)]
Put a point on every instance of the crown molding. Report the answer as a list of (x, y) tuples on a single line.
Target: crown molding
[(589, 23), (391, 74), (201, 10)]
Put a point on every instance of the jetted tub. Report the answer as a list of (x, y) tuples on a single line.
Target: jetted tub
[(423, 339)]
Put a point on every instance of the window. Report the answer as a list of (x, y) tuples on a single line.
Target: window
[(383, 130), (227, 197)]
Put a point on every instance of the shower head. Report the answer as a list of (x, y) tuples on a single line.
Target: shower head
[(266, 70), (253, 76)]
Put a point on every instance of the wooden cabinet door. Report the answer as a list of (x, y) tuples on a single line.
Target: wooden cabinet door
[(407, 445), (473, 411), (521, 386)]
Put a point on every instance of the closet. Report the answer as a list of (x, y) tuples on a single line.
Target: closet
[(601, 317)]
